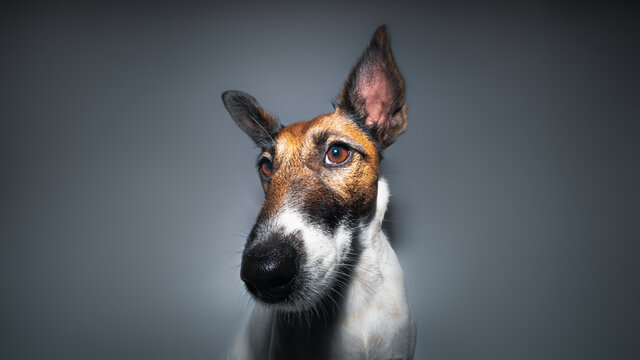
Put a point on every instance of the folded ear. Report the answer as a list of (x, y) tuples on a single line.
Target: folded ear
[(374, 91), (251, 118)]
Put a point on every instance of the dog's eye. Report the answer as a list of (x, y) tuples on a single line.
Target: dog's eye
[(266, 167), (337, 155)]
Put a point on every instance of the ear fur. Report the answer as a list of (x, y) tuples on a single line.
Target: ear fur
[(251, 117), (375, 91)]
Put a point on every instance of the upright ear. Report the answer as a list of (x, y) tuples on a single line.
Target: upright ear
[(251, 118), (374, 91)]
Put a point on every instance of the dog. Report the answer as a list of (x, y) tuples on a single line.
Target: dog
[(326, 281)]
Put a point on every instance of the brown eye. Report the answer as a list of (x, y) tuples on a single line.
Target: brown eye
[(337, 155), (266, 167)]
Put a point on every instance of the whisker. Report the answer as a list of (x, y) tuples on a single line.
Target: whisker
[(263, 129)]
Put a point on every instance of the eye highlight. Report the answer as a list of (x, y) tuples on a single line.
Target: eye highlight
[(337, 155), (266, 167)]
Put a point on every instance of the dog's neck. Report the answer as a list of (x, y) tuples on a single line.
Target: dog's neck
[(372, 231), (367, 275)]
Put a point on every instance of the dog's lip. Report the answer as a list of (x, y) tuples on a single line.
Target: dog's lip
[(272, 297)]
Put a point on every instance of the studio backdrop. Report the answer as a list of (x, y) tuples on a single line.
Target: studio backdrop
[(127, 192)]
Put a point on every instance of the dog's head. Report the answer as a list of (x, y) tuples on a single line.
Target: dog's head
[(320, 179)]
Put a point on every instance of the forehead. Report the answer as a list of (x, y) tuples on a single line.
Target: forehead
[(334, 126)]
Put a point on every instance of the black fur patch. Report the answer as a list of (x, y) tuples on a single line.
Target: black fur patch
[(329, 211)]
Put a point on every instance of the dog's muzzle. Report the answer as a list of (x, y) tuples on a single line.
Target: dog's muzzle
[(269, 270)]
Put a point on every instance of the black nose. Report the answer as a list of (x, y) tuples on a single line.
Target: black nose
[(269, 271)]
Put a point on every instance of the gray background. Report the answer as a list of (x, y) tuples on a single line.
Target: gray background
[(127, 191)]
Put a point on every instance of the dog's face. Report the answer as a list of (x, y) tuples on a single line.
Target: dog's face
[(320, 181)]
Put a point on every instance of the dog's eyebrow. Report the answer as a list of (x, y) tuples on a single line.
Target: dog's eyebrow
[(268, 153), (325, 135)]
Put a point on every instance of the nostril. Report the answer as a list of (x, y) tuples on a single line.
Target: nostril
[(283, 273)]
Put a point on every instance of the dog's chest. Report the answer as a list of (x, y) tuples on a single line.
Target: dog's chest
[(361, 339), (372, 325)]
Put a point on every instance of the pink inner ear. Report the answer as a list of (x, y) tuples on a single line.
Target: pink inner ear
[(376, 92)]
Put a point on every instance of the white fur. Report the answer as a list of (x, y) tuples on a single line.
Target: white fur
[(323, 253), (376, 319)]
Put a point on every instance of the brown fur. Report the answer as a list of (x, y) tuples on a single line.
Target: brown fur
[(298, 163)]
